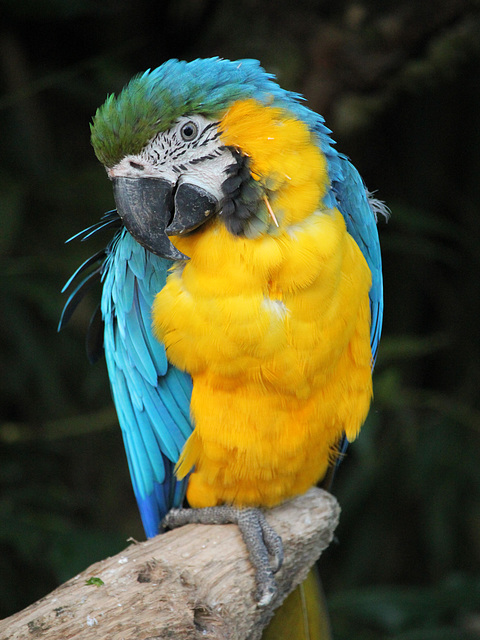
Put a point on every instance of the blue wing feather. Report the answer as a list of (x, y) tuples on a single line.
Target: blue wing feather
[(151, 396), (360, 216), (137, 346), (352, 199), (160, 363)]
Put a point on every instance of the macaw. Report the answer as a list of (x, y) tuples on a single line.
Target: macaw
[(242, 295)]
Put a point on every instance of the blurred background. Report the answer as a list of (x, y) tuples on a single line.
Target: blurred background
[(399, 84)]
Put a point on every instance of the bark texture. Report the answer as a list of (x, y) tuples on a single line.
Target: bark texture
[(191, 583)]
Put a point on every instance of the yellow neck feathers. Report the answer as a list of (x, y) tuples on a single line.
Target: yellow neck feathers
[(283, 157)]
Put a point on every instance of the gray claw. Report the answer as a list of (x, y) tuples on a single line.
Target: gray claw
[(261, 542), (273, 543)]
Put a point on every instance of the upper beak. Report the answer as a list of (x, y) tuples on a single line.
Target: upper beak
[(152, 208)]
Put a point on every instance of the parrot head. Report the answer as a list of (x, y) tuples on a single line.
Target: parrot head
[(173, 185), (161, 143)]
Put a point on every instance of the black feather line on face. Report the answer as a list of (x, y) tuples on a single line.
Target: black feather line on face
[(242, 195)]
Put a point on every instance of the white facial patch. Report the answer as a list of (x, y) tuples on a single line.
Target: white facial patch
[(191, 151)]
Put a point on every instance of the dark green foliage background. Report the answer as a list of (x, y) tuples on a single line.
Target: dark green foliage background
[(399, 83)]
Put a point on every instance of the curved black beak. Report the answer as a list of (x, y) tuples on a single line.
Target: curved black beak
[(153, 208)]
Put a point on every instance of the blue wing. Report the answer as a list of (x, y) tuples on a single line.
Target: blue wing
[(360, 213), (151, 396)]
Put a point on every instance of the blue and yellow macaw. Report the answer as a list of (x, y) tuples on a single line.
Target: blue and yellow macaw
[(242, 292)]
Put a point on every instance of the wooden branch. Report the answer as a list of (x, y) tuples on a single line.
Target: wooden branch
[(191, 583)]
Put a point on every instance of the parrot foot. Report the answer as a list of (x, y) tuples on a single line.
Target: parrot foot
[(261, 540)]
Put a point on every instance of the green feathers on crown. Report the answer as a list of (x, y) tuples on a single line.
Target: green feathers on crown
[(122, 127), (153, 101)]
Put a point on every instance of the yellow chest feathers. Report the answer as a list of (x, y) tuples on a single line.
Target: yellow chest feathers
[(276, 335), (278, 310)]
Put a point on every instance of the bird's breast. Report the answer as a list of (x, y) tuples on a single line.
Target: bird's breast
[(276, 335), (243, 308)]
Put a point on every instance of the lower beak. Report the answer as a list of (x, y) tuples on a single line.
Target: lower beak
[(153, 208)]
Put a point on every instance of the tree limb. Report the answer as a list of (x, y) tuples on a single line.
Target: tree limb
[(191, 583)]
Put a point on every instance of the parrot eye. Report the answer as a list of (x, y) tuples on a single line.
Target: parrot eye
[(189, 131)]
